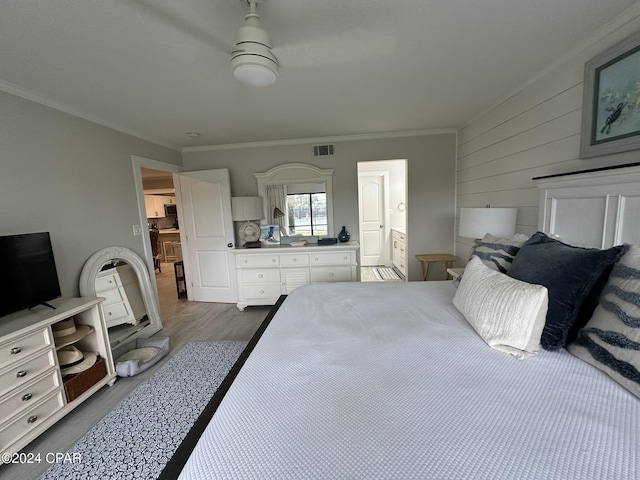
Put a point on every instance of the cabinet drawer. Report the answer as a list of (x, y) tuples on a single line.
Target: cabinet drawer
[(115, 295), (331, 274), (29, 395), (398, 236), (18, 349), (107, 281), (26, 422), (22, 373), (116, 312), (267, 260), (334, 258), (294, 260), (261, 276), (260, 292)]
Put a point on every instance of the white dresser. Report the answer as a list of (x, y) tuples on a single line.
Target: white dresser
[(266, 273), (32, 394), (123, 299)]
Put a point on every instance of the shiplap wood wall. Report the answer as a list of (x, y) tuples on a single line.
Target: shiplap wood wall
[(533, 132)]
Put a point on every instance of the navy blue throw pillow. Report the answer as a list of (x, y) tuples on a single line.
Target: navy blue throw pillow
[(570, 275)]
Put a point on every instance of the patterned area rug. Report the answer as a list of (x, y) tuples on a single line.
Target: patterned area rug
[(138, 437), (387, 273)]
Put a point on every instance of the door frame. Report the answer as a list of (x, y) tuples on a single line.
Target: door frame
[(138, 163)]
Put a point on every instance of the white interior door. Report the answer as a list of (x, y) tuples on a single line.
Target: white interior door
[(373, 229), (206, 233)]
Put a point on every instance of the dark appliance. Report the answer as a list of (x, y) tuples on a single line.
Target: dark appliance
[(170, 210), (29, 276)]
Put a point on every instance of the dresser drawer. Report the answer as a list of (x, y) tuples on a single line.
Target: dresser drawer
[(114, 295), (395, 235), (335, 258), (294, 260), (28, 395), (260, 276), (116, 312), (18, 349), (24, 372), (331, 274), (260, 292), (248, 261), (107, 282), (26, 422)]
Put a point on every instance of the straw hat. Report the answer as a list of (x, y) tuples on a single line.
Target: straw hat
[(69, 356), (89, 359), (66, 332)]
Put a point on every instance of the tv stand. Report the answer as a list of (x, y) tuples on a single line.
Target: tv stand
[(33, 395)]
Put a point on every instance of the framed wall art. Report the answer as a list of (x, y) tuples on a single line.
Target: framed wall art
[(611, 105)]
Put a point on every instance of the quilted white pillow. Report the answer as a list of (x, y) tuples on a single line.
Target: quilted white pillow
[(507, 313)]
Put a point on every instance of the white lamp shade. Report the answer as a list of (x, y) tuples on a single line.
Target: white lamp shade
[(477, 222), (246, 208)]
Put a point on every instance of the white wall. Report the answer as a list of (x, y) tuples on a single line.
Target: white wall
[(70, 177), (534, 132), (430, 165)]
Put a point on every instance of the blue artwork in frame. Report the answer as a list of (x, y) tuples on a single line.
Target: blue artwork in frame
[(611, 106)]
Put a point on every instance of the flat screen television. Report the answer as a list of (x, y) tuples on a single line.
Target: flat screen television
[(29, 276)]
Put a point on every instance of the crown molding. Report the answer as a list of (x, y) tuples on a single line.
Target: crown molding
[(47, 102), (306, 141)]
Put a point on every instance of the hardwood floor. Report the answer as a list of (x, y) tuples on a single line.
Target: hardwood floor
[(183, 322)]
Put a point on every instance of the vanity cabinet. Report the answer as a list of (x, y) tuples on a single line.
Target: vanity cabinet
[(399, 252), (32, 393), (266, 273)]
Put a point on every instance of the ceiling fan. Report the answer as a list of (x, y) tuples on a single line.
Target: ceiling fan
[(252, 61)]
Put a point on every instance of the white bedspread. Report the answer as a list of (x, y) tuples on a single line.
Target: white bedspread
[(387, 380)]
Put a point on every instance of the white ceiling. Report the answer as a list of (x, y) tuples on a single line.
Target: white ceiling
[(159, 69)]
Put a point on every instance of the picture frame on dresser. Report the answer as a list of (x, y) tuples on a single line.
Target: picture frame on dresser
[(611, 100)]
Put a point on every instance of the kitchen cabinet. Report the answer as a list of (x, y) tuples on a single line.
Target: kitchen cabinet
[(154, 205)]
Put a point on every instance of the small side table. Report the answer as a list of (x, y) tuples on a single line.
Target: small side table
[(427, 259)]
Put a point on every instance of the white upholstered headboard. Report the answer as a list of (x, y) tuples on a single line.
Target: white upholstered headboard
[(596, 208)]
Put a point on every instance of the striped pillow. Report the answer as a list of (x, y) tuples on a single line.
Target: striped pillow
[(610, 340), (498, 253)]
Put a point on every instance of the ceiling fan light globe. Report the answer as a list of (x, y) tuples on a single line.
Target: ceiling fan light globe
[(254, 70)]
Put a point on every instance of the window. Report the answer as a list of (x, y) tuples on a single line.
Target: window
[(307, 213)]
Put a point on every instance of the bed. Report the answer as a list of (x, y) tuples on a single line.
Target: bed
[(389, 380)]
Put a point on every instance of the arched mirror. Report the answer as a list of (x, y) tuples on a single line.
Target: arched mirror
[(120, 276)]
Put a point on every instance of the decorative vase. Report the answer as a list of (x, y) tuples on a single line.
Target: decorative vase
[(344, 236)]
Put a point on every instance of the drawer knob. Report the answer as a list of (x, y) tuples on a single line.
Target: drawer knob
[(331, 274), (295, 259), (32, 419), (260, 275), (26, 397), (21, 373), (273, 260), (244, 261), (16, 350), (109, 313), (261, 292)]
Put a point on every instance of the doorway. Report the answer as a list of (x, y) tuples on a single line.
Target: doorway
[(382, 199), (156, 178)]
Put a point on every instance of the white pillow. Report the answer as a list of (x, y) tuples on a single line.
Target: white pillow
[(507, 313)]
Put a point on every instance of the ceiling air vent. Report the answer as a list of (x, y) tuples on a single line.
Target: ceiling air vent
[(323, 150)]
